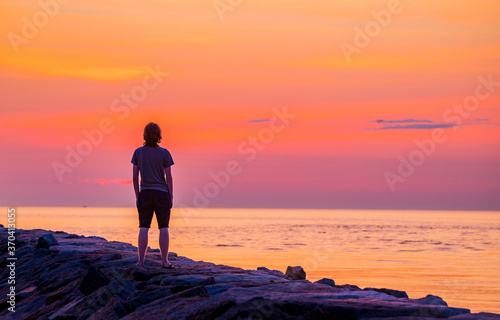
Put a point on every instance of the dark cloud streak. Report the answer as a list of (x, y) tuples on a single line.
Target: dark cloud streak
[(417, 126), (259, 120), (403, 121)]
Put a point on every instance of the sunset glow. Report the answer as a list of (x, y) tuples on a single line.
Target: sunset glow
[(87, 79)]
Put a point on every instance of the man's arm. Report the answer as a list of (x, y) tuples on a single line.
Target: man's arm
[(135, 179), (170, 182)]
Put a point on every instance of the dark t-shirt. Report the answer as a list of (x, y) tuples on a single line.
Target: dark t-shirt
[(151, 161)]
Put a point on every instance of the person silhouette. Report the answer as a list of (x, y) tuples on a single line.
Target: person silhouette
[(155, 195)]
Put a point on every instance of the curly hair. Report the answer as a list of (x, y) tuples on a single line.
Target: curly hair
[(152, 134)]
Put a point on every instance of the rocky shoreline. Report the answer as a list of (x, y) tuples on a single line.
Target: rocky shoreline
[(61, 276)]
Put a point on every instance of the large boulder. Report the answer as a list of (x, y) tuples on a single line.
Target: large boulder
[(295, 273), (328, 282), (275, 273), (391, 292), (431, 300), (46, 241), (92, 280)]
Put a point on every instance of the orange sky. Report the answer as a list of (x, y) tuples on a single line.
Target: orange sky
[(65, 69)]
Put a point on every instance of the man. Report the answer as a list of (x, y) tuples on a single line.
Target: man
[(156, 193)]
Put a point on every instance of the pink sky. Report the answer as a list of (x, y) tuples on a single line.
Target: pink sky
[(227, 77)]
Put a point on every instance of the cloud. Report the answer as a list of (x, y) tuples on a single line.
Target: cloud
[(121, 182), (417, 126), (259, 120), (409, 124), (102, 181), (403, 121), (482, 120)]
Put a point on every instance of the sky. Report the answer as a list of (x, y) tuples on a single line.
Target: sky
[(366, 104)]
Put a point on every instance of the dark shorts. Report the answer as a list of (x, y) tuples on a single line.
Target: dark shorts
[(156, 201)]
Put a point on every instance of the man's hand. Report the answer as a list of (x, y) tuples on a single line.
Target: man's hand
[(170, 184), (135, 180)]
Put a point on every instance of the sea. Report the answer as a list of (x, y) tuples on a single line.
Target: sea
[(451, 254)]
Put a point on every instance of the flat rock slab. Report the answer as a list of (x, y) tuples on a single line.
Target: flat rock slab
[(68, 276)]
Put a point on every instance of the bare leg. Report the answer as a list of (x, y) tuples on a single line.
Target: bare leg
[(164, 242), (143, 244)]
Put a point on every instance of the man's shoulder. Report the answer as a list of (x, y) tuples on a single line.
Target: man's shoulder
[(156, 150), (139, 149), (164, 150)]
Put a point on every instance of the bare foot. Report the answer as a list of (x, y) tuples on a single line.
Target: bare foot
[(167, 265), (139, 263)]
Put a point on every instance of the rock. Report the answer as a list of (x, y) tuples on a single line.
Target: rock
[(260, 308), (182, 280), (199, 291), (328, 282), (328, 306), (46, 241), (183, 300), (110, 257), (295, 273), (128, 262), (177, 289), (66, 317), (61, 273), (57, 295), (23, 294), (216, 289), (276, 273), (391, 292), (140, 298), (122, 288), (214, 310), (187, 280), (142, 273), (96, 238), (72, 236), (207, 282), (349, 287), (114, 310), (246, 279), (276, 290), (25, 310), (431, 300), (170, 309), (92, 280), (84, 306)]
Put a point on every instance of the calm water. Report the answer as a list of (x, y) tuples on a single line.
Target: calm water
[(455, 255)]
